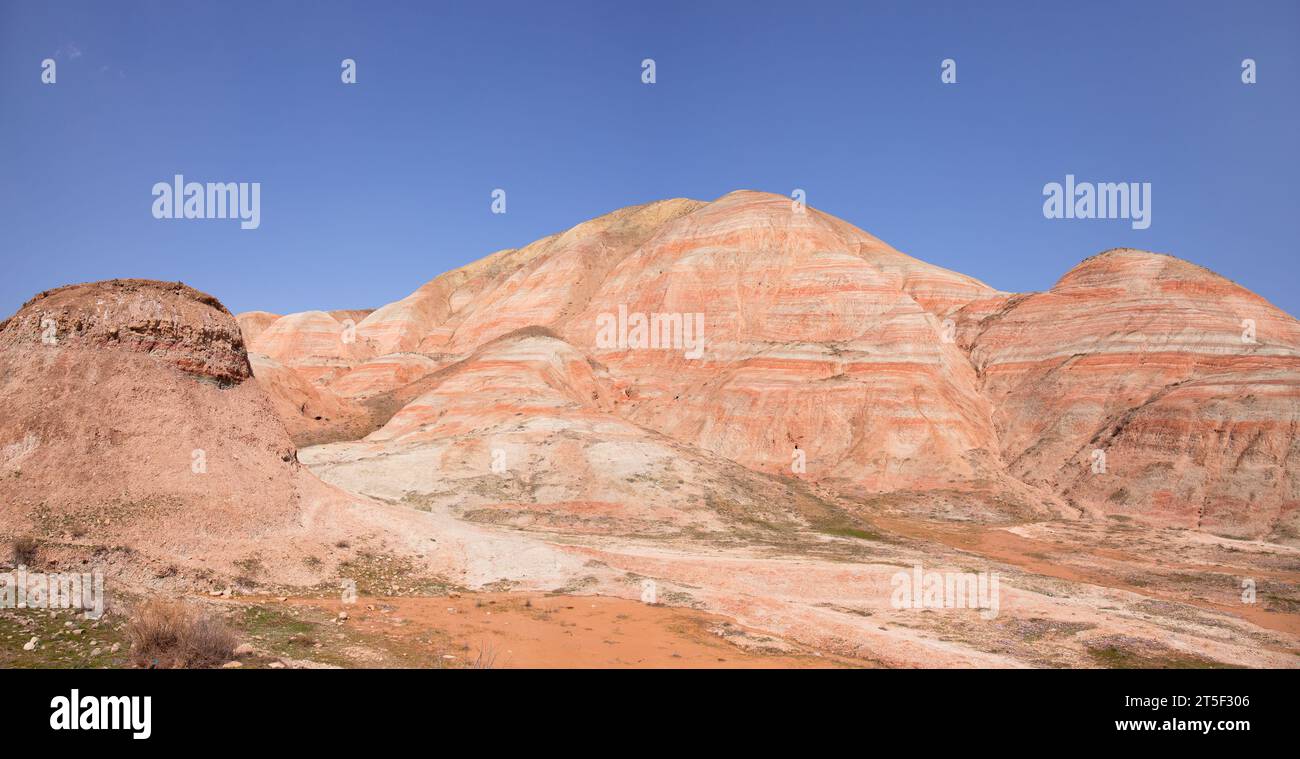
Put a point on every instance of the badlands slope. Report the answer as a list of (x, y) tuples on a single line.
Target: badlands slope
[(883, 374)]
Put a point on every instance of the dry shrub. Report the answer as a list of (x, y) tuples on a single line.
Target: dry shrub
[(169, 634), (486, 657), (25, 549)]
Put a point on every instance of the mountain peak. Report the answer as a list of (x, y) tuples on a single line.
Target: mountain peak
[(1133, 268)]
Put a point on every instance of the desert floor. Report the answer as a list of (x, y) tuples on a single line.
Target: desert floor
[(1074, 594)]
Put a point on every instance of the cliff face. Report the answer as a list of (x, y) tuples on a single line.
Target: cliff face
[(171, 322), (829, 356)]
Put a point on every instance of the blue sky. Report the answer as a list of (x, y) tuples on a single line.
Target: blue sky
[(369, 190)]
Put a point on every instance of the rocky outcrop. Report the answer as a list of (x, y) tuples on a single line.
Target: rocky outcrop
[(130, 421), (172, 322)]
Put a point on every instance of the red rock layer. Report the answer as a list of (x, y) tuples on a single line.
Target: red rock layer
[(1142, 356), (317, 345), (384, 373), (816, 339), (521, 432)]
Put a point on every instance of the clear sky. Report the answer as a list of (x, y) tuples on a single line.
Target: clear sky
[(369, 190)]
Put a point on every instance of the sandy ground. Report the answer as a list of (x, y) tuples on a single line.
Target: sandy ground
[(1073, 594), (508, 630), (474, 631)]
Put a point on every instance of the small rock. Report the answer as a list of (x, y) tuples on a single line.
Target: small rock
[(115, 648), (343, 615), (276, 665), (96, 652), (244, 649), (31, 644), (232, 665)]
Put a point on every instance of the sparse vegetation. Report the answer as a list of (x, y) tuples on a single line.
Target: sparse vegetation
[(168, 634), (390, 575), (1121, 652), (250, 566), (851, 532), (486, 657), (25, 550)]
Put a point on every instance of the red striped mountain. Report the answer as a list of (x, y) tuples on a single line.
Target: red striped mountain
[(830, 356)]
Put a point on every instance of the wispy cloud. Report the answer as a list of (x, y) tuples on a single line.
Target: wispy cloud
[(70, 51)]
